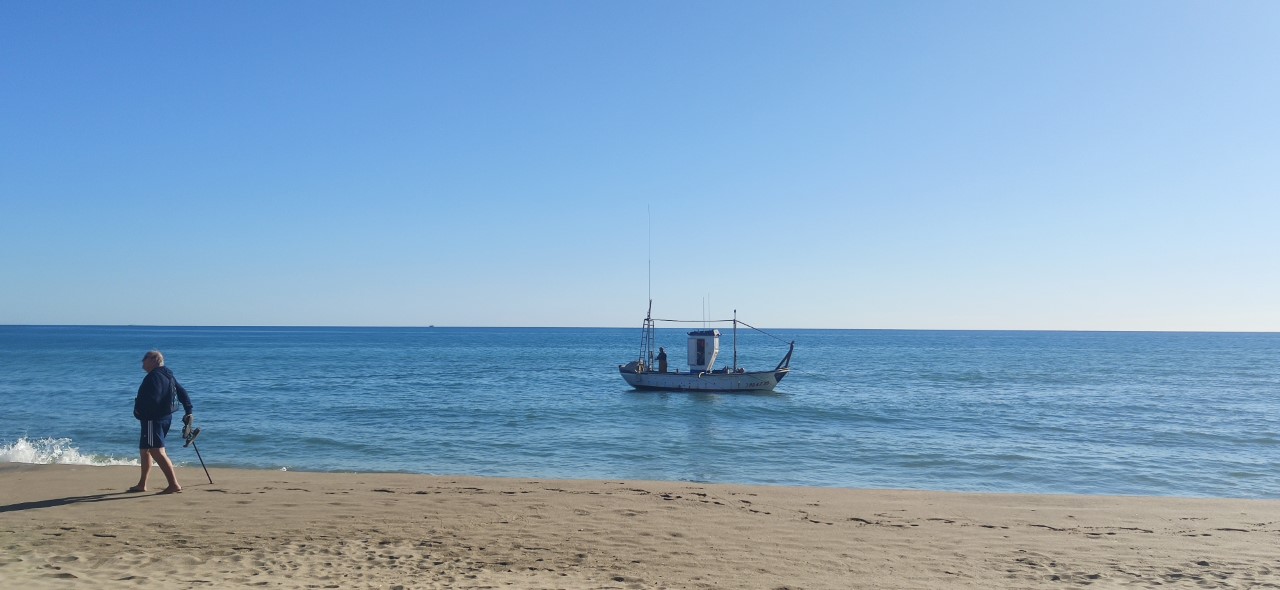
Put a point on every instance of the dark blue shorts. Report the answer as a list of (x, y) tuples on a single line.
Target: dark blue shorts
[(153, 433)]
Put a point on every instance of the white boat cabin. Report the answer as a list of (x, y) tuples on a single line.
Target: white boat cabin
[(704, 346)]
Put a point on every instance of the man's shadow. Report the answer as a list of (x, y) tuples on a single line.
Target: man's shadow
[(55, 502)]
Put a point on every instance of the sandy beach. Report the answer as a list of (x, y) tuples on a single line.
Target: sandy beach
[(67, 526)]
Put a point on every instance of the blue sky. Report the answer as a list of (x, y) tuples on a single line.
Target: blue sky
[(952, 165)]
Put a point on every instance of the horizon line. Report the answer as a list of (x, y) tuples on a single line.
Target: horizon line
[(436, 326)]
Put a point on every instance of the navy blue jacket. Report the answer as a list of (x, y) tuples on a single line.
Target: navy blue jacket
[(159, 394)]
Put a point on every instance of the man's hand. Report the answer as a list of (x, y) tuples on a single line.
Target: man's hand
[(188, 418)]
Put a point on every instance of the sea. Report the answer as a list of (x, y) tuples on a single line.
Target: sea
[(1096, 413)]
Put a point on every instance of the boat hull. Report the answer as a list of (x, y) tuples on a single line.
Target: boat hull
[(747, 381)]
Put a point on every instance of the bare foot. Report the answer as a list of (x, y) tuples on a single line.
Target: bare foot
[(170, 490), (137, 489)]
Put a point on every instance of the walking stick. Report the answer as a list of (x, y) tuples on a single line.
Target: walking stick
[(190, 437)]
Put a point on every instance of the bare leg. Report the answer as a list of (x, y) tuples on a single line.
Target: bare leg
[(145, 462), (166, 466)]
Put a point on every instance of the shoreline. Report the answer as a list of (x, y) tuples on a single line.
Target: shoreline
[(74, 526), (194, 465)]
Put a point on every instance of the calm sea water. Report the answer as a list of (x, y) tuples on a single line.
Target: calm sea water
[(1168, 414)]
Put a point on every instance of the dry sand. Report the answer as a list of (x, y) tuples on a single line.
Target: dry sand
[(74, 527)]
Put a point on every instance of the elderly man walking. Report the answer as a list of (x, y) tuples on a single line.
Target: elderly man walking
[(157, 400)]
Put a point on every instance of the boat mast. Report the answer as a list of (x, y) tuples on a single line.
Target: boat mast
[(646, 338), (735, 341), (646, 333)]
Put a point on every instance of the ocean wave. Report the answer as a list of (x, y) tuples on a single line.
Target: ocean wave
[(50, 451)]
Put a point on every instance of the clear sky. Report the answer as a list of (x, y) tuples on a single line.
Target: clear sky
[(1090, 165)]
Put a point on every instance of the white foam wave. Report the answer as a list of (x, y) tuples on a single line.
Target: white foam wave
[(48, 451)]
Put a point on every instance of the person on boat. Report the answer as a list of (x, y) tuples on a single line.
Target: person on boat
[(662, 360), (157, 400)]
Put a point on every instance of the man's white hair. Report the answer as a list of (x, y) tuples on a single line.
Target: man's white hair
[(156, 356)]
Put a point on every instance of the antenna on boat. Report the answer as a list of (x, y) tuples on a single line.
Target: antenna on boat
[(649, 214), (646, 333)]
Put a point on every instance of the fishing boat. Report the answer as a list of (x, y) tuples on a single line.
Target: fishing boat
[(702, 375)]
